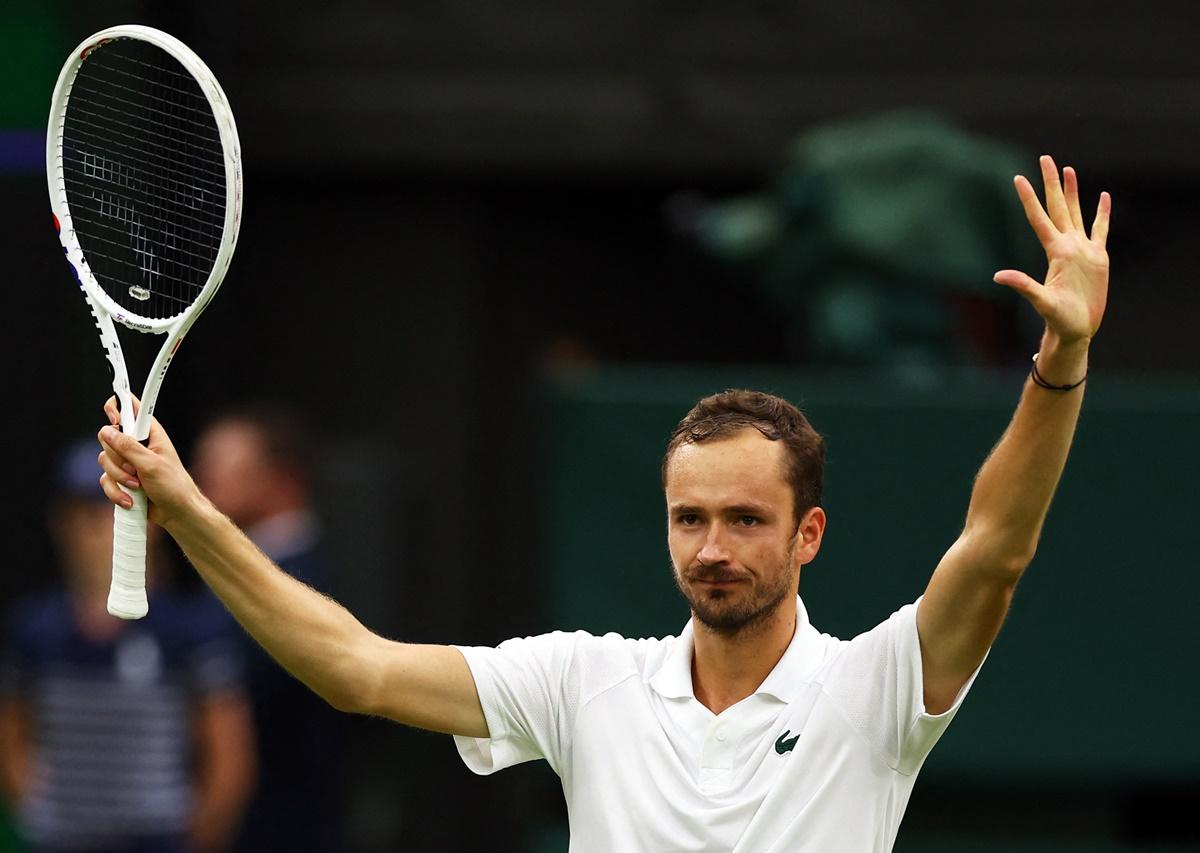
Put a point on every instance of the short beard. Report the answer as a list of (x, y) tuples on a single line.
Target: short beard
[(715, 612)]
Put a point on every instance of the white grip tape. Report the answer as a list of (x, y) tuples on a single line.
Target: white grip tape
[(127, 595)]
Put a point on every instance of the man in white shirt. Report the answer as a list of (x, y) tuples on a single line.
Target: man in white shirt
[(751, 731)]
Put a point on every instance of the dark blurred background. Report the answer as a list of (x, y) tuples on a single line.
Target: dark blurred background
[(497, 249)]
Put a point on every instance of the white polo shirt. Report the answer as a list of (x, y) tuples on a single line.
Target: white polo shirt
[(820, 759)]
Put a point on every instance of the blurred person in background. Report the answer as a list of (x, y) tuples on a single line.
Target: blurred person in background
[(255, 463), (119, 736)]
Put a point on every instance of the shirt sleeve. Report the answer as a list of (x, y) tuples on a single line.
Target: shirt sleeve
[(530, 692), (878, 682)]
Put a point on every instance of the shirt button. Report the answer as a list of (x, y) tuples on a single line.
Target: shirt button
[(721, 735)]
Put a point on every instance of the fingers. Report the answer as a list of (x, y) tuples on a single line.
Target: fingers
[(113, 409), (1100, 225), (1031, 289), (118, 474), (158, 442), (124, 449), (128, 464), (1056, 202), (115, 493), (1038, 220), (1062, 211), (117, 469), (1071, 193)]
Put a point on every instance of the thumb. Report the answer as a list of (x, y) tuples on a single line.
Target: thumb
[(159, 442), (1016, 280)]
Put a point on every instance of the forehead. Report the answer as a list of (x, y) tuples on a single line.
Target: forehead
[(742, 466)]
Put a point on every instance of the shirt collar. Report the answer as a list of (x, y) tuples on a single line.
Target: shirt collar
[(804, 653)]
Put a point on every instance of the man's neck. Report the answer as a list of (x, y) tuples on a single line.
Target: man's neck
[(728, 668)]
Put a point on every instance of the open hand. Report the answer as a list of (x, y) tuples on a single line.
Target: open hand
[(1075, 292)]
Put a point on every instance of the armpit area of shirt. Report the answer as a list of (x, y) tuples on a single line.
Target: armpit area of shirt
[(877, 682), (928, 728), (532, 689)]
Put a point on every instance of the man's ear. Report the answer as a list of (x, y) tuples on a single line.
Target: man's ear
[(809, 533)]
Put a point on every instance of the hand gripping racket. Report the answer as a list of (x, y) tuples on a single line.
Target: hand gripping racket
[(145, 177)]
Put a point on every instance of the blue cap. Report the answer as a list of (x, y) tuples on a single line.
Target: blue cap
[(77, 473)]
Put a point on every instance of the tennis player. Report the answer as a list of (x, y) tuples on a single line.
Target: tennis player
[(750, 731)]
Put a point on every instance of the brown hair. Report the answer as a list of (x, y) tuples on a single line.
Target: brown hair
[(721, 415)]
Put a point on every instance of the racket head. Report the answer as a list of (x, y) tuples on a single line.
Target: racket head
[(144, 169)]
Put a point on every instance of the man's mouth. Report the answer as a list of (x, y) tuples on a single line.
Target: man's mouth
[(718, 580)]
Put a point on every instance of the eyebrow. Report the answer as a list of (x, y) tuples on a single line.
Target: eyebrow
[(749, 508)]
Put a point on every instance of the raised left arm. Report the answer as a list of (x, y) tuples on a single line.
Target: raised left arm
[(969, 593)]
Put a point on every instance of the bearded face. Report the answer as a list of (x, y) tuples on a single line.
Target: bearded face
[(736, 549)]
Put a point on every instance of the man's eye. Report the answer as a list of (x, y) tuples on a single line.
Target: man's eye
[(688, 519), (748, 521)]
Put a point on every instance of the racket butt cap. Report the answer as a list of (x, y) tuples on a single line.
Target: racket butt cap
[(127, 606)]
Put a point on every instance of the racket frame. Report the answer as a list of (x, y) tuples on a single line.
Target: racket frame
[(130, 524), (104, 308)]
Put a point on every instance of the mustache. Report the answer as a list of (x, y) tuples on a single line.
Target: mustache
[(715, 574)]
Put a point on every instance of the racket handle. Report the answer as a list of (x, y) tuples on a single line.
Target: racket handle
[(127, 595)]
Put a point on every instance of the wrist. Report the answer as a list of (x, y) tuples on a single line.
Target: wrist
[(192, 512), (1053, 340), (1062, 362)]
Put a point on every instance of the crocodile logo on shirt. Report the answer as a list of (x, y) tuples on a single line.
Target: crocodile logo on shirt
[(786, 744)]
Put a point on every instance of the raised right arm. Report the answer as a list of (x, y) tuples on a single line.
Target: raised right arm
[(312, 636)]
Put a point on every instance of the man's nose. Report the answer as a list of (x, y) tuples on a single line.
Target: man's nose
[(714, 550)]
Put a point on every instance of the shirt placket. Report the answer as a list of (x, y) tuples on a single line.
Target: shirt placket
[(717, 753)]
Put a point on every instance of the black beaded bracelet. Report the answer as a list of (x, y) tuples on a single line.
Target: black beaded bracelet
[(1042, 383)]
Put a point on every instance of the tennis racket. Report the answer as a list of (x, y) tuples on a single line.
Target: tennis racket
[(145, 177)]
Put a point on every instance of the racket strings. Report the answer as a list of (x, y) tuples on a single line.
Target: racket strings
[(169, 109), (102, 125), (119, 241), (155, 185), (204, 222), (144, 174), (204, 228), (158, 69), (144, 266)]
